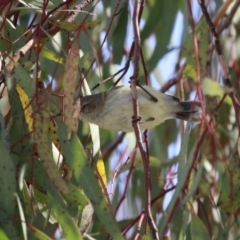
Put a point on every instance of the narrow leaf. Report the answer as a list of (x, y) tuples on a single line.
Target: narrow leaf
[(84, 175), (119, 35), (46, 53), (75, 196), (212, 88), (230, 190), (8, 226), (183, 170), (198, 229), (7, 180), (22, 77), (73, 26), (101, 171), (26, 107), (86, 218), (66, 222), (22, 217), (43, 142), (69, 86)]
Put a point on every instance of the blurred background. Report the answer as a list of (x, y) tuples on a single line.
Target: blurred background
[(194, 169)]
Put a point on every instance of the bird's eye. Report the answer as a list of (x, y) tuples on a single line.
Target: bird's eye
[(83, 107)]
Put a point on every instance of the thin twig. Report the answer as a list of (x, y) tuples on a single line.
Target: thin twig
[(111, 147), (221, 12), (140, 221), (198, 74), (127, 182), (228, 18), (153, 202), (136, 118), (72, 16), (227, 81), (104, 39)]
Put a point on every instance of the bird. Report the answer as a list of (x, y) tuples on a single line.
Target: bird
[(113, 109)]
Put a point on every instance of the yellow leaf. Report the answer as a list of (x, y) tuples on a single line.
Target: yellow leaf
[(51, 55), (26, 106), (214, 89), (190, 71), (73, 26), (101, 171)]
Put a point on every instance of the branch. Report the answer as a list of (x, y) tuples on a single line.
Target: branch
[(227, 81), (136, 118), (111, 147)]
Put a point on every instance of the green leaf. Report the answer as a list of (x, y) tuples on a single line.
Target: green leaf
[(84, 175), (14, 38), (74, 26), (7, 225), (7, 180), (177, 222), (18, 126), (66, 222), (160, 21), (7, 177), (119, 35), (188, 52), (229, 198), (3, 236), (190, 71), (22, 77), (158, 145), (75, 196), (43, 186), (46, 53), (27, 199), (183, 171), (214, 89), (198, 229), (40, 235), (147, 236), (4, 45), (196, 178), (54, 206), (42, 140)]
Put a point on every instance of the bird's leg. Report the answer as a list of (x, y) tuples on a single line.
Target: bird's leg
[(147, 120), (152, 98), (136, 119)]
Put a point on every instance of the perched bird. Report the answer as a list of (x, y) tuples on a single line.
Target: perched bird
[(113, 109)]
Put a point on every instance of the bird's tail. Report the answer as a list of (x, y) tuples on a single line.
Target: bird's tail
[(190, 111)]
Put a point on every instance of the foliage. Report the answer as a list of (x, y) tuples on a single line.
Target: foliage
[(176, 181)]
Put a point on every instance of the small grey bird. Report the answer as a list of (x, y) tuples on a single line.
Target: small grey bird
[(113, 109)]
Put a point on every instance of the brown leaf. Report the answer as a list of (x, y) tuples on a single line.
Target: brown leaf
[(69, 86), (43, 142)]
